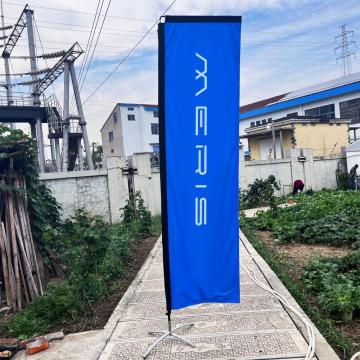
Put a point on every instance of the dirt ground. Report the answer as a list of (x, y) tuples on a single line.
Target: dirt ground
[(103, 309), (297, 256)]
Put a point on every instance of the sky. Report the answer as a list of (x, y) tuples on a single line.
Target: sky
[(286, 45)]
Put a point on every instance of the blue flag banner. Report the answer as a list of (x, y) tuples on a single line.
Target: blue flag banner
[(199, 62)]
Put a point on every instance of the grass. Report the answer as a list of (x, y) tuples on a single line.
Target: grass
[(277, 264)]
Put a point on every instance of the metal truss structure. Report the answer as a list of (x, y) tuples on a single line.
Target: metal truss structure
[(67, 132), (71, 55)]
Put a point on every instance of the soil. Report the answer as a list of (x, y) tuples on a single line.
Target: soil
[(103, 310), (297, 256)]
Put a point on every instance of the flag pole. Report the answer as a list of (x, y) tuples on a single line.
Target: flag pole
[(170, 334)]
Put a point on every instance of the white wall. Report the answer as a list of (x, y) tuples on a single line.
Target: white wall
[(352, 158), (137, 134)]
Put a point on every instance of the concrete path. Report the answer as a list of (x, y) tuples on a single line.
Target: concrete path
[(252, 212), (257, 328)]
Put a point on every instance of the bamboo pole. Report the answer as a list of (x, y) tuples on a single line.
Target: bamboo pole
[(27, 268), (10, 267), (15, 254), (5, 269)]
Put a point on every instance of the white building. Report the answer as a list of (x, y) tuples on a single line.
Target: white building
[(338, 98), (131, 128), (134, 128)]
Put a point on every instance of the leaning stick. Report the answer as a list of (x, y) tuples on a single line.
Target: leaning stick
[(5, 269), (10, 266), (12, 236)]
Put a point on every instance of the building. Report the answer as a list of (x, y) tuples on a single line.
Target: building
[(335, 99), (133, 128), (326, 137), (129, 129)]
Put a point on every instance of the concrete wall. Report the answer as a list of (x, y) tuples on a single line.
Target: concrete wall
[(316, 172), (99, 192), (104, 192), (324, 139)]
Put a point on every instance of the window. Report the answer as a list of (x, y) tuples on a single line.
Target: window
[(112, 151), (263, 121), (111, 136), (115, 117), (258, 122), (291, 115), (131, 117), (155, 129), (350, 110), (156, 114), (252, 124), (155, 148), (322, 112), (130, 109)]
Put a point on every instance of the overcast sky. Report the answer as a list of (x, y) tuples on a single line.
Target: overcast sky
[(286, 45)]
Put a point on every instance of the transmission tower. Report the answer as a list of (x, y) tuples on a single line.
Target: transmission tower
[(345, 49)]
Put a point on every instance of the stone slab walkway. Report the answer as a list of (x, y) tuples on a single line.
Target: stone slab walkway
[(257, 328)]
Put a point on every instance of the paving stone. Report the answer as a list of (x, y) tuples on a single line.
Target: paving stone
[(208, 324), (136, 311), (214, 347)]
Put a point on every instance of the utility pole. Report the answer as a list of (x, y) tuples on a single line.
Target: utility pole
[(7, 68), (345, 49)]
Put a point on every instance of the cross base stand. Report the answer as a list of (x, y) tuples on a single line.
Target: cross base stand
[(168, 335)]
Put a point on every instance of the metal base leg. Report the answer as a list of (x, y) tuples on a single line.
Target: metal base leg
[(168, 335)]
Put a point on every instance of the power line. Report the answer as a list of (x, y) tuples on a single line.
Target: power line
[(88, 45), (129, 53), (97, 40), (91, 37), (79, 12)]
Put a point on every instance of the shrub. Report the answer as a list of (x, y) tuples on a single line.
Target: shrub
[(94, 253), (136, 213), (259, 193)]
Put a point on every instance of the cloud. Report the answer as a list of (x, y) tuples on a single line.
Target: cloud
[(286, 45)]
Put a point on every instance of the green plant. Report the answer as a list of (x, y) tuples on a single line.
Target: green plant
[(135, 212), (279, 266), (43, 208), (324, 217), (338, 298), (260, 193)]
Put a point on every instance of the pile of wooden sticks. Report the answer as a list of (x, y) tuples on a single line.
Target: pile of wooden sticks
[(20, 263)]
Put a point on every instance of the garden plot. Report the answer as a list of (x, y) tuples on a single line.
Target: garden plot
[(319, 240)]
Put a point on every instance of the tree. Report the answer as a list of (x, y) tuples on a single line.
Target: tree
[(97, 154)]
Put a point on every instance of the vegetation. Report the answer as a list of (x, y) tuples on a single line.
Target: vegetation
[(259, 193), (336, 282), (94, 254), (325, 217), (279, 266), (43, 209), (97, 154)]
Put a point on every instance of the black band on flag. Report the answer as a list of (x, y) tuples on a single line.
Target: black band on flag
[(162, 143)]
